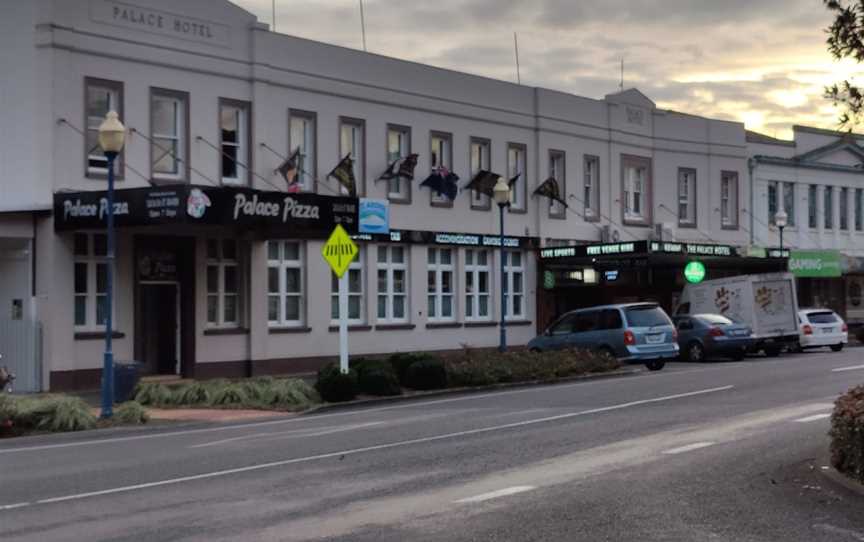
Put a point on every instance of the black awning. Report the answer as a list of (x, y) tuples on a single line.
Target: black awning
[(266, 212)]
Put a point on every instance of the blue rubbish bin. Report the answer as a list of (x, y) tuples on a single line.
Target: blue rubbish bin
[(126, 376)]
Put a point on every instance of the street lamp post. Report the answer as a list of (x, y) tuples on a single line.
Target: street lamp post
[(501, 195), (781, 219), (112, 134)]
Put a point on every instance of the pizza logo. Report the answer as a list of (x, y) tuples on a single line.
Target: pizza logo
[(197, 203)]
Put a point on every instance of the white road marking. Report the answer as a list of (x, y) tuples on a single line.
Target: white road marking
[(288, 434), (852, 368), (354, 451), (814, 417), (14, 506), (689, 447), (307, 418), (828, 528), (496, 494)]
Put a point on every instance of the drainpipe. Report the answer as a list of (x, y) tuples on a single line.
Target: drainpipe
[(751, 166)]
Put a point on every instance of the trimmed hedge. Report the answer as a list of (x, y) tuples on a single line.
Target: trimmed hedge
[(400, 362), (847, 434), (334, 386), (426, 374), (376, 377), (484, 367)]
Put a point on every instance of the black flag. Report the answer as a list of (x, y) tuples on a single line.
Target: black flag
[(443, 182), (400, 168), (288, 170), (483, 182), (344, 173), (550, 189)]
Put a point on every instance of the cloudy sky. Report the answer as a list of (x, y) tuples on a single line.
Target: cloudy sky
[(763, 62)]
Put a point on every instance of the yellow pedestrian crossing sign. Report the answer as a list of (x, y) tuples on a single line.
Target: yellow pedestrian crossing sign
[(339, 250)]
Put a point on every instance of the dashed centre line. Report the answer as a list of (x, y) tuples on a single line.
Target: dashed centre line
[(851, 368), (689, 447), (496, 494), (813, 418)]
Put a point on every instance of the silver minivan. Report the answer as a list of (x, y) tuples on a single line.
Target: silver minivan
[(632, 332)]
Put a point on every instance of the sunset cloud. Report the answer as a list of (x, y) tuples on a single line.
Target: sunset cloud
[(763, 63)]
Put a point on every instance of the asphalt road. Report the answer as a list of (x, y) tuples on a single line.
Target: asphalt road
[(720, 451)]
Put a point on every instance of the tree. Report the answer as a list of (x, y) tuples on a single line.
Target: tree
[(846, 40)]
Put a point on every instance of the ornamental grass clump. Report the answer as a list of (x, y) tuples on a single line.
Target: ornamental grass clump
[(58, 413), (156, 394), (230, 395), (131, 413), (847, 434)]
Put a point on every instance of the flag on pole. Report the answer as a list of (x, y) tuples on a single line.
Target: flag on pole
[(289, 169), (443, 182), (483, 182), (344, 173), (400, 168), (551, 190)]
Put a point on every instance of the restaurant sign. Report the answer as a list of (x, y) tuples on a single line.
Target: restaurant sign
[(299, 215)]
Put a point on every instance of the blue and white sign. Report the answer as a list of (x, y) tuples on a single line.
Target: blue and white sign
[(374, 215)]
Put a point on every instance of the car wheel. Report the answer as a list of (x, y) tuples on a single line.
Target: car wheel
[(739, 355), (655, 364), (535, 350), (772, 351), (606, 352), (837, 347), (695, 352), (796, 347)]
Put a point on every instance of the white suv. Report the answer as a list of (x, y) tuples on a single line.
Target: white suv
[(821, 327)]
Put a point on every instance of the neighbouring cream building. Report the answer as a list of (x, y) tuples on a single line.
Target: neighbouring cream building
[(219, 271)]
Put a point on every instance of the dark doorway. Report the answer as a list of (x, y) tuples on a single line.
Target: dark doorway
[(160, 305)]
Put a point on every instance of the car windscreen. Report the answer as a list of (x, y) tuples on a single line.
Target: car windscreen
[(646, 316), (825, 317), (716, 319)]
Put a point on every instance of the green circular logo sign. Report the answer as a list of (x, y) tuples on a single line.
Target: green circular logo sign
[(694, 272), (548, 280)]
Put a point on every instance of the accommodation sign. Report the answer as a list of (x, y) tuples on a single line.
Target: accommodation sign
[(147, 19), (268, 213)]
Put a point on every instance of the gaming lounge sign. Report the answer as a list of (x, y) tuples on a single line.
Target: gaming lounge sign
[(268, 213)]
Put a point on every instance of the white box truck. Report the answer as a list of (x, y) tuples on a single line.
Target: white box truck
[(768, 303)]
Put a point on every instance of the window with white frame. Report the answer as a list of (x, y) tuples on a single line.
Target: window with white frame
[(440, 271), (356, 292), (478, 272), (441, 156), (686, 197), (480, 160), (812, 206), (234, 141), (91, 285), (828, 207), (392, 284), (591, 187), (398, 147), (789, 203), (352, 141), (285, 284), (514, 285), (844, 208), (557, 170), (516, 166), (301, 136), (859, 209), (636, 186), (729, 199), (100, 97), (168, 134), (223, 283)]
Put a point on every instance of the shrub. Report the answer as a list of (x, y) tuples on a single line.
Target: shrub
[(230, 395), (400, 362), (334, 386), (293, 393), (479, 367), (847, 434), (376, 377), (132, 413), (155, 394), (194, 394), (426, 374), (54, 413), (8, 412)]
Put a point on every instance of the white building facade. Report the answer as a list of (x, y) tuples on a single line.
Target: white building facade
[(214, 102)]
